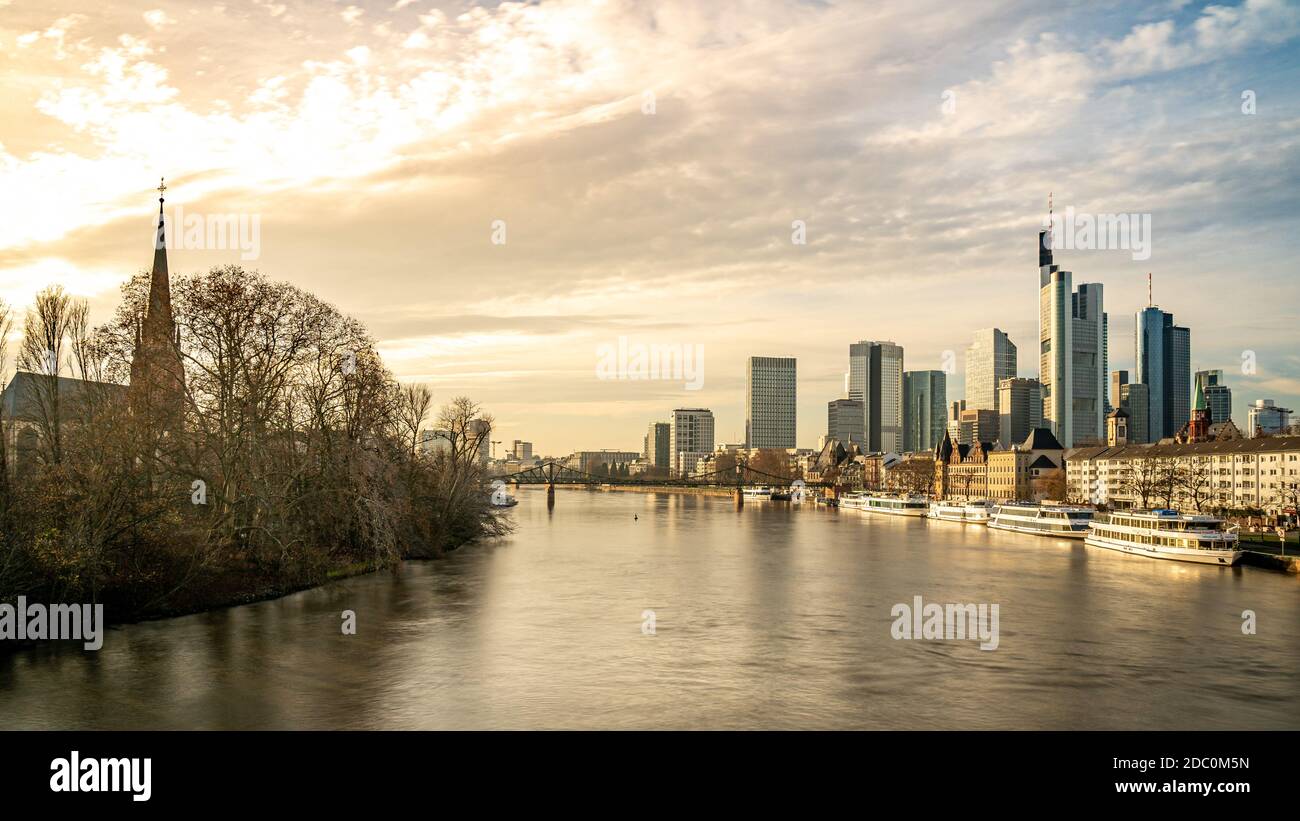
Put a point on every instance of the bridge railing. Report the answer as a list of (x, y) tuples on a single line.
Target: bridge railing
[(554, 473)]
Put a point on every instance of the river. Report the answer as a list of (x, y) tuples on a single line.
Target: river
[(774, 616)]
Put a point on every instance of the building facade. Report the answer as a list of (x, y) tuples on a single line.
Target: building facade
[(1234, 474), (844, 421), (876, 380), (925, 400), (990, 358), (692, 432), (977, 471), (659, 446), (978, 425), (770, 402), (1020, 410), (1088, 398)]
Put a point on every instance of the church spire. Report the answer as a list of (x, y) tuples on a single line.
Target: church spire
[(157, 374), (159, 313)]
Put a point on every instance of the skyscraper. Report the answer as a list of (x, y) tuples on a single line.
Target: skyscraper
[(990, 358), (1218, 396), (1055, 341), (770, 402), (659, 445), (1136, 399), (1072, 335), (692, 433), (1164, 365), (844, 421), (925, 401), (1020, 410), (1091, 330), (876, 380)]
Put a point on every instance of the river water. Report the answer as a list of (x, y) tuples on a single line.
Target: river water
[(774, 616)]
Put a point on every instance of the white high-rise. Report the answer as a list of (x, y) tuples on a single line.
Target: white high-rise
[(692, 432), (1072, 335), (876, 380)]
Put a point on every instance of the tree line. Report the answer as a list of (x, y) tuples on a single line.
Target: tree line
[(296, 455)]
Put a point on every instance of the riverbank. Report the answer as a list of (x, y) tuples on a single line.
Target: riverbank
[(1271, 561), (226, 589)]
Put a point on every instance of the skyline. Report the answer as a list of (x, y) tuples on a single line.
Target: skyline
[(625, 224)]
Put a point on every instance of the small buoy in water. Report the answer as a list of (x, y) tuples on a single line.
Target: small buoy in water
[(634, 517)]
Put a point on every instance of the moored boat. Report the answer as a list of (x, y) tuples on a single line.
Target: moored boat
[(1062, 521), (895, 505), (1167, 534), (969, 512)]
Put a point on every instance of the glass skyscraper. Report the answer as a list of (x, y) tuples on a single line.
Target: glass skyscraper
[(1164, 365), (925, 404)]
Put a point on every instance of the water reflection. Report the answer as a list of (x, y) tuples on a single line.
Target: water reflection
[(770, 616)]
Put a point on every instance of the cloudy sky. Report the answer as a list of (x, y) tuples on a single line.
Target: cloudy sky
[(647, 162)]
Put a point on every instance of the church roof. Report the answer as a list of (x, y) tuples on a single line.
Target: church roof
[(23, 398), (1041, 439), (1118, 413), (943, 450), (1042, 463)]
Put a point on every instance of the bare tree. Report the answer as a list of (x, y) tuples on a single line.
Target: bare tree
[(44, 333), (1142, 478), (6, 328), (1169, 473), (1195, 481), (416, 402)]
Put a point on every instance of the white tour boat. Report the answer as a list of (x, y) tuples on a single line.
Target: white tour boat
[(853, 501), (1063, 521), (755, 493), (896, 505), (1167, 534), (976, 513)]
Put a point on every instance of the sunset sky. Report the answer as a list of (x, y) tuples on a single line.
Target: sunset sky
[(648, 159)]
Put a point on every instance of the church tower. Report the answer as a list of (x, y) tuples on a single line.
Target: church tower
[(157, 390), (1198, 426)]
